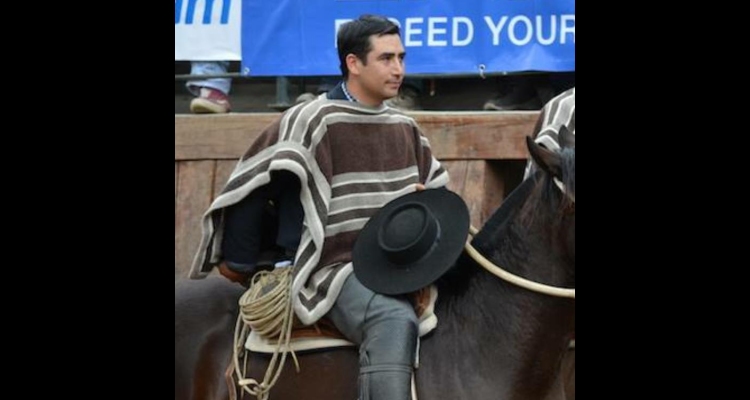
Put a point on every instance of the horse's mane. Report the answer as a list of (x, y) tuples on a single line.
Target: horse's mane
[(537, 200), (455, 281)]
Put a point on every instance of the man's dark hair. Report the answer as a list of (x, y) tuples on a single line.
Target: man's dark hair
[(354, 37)]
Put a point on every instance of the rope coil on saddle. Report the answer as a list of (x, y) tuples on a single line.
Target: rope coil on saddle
[(266, 308)]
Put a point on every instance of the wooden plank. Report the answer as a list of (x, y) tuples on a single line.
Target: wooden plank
[(176, 169), (477, 135), (474, 190), (463, 176), (467, 179), (483, 185), (195, 179), (457, 173), (453, 135), (217, 136), (224, 168)]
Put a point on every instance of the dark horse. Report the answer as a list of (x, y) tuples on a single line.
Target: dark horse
[(494, 339)]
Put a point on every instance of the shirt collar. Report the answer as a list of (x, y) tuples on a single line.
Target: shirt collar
[(347, 94)]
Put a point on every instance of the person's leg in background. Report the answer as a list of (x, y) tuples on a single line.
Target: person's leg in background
[(212, 93)]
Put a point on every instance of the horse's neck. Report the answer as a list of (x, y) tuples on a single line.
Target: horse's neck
[(490, 331)]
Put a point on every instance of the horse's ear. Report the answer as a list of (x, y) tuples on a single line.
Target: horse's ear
[(547, 160), (566, 138)]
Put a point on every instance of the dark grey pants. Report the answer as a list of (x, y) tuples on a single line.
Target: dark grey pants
[(386, 330)]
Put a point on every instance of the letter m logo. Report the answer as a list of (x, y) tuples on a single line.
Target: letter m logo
[(207, 11)]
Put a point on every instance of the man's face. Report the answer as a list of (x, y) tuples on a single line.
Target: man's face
[(381, 77)]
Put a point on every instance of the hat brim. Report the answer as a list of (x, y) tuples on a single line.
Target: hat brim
[(376, 272)]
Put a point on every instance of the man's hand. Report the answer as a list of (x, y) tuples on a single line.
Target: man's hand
[(420, 187)]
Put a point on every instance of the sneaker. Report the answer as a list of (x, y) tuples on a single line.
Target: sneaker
[(210, 101), (406, 99)]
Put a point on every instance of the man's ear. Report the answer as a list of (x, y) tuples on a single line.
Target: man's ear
[(353, 64)]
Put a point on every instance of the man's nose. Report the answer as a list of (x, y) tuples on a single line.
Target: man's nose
[(399, 67)]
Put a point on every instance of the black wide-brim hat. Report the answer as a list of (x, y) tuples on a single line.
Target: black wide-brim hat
[(411, 241)]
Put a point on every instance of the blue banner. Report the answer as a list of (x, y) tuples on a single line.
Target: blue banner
[(298, 37)]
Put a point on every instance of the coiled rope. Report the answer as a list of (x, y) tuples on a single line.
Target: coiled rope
[(265, 308)]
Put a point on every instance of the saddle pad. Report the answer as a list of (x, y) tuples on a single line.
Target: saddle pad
[(313, 338)]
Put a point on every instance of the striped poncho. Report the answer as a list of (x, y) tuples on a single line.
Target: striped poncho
[(559, 111), (351, 160)]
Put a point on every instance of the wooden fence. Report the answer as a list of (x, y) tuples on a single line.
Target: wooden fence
[(484, 153)]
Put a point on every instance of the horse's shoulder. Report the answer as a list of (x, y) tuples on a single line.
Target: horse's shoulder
[(206, 292)]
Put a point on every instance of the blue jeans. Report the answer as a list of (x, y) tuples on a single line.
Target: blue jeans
[(209, 68)]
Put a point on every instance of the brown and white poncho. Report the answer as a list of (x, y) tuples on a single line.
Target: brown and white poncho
[(351, 160), (559, 111)]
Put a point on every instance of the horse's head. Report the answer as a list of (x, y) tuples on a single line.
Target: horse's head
[(552, 162), (560, 167)]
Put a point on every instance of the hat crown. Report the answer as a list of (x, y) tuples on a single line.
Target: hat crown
[(409, 232)]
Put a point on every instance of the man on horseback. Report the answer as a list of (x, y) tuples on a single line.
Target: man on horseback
[(344, 155)]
